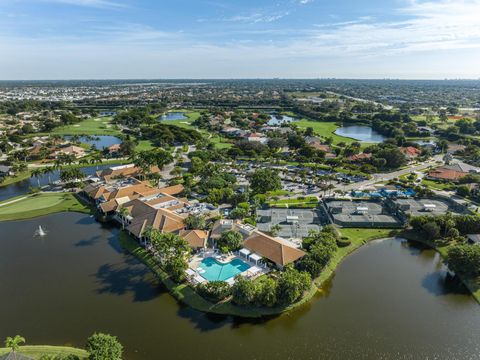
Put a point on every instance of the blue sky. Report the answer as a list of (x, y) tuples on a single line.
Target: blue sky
[(71, 39)]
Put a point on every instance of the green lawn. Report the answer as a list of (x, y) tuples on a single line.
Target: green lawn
[(36, 351), (364, 235), (305, 202), (278, 193), (436, 185), (220, 142), (326, 129), (13, 179), (94, 126), (144, 145), (30, 206)]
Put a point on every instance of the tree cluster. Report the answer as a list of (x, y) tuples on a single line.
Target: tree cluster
[(284, 289)]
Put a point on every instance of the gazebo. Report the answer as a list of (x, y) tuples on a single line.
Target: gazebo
[(256, 258), (244, 252)]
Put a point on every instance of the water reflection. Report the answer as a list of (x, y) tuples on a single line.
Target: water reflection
[(127, 278), (23, 187), (389, 300), (173, 115), (360, 133), (99, 141)]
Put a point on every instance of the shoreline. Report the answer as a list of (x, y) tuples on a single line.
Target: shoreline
[(36, 351), (185, 294), (474, 290), (67, 202)]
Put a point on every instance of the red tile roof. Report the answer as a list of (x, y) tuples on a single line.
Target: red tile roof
[(446, 174)]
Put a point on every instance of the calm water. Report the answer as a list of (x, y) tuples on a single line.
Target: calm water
[(22, 187), (100, 141), (173, 115), (277, 120), (360, 133), (387, 301)]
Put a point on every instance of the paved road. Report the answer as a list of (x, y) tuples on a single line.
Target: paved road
[(390, 176), (376, 178)]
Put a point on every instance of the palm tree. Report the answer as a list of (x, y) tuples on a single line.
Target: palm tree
[(96, 159), (37, 173), (58, 163), (275, 229), (124, 212), (48, 170), (330, 187), (56, 138), (14, 343)]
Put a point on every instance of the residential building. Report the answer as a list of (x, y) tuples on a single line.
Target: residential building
[(76, 151), (410, 152), (277, 251)]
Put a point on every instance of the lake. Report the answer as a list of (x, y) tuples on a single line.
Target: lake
[(277, 120), (388, 300), (173, 115), (360, 133), (100, 141), (22, 187)]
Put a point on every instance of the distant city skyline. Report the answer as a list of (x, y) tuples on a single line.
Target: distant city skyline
[(146, 39)]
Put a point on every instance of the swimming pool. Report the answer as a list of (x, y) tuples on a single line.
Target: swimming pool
[(213, 270)]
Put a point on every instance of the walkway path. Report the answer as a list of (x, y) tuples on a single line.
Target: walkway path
[(13, 201)]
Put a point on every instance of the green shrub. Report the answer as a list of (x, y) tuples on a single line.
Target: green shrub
[(343, 242), (214, 291)]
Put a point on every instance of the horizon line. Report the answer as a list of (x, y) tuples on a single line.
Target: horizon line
[(246, 78)]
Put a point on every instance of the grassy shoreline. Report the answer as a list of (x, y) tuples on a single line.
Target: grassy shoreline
[(14, 179), (10, 180), (358, 238), (186, 294), (34, 205), (36, 351), (470, 284)]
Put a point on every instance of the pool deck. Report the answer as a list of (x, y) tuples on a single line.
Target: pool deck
[(196, 261)]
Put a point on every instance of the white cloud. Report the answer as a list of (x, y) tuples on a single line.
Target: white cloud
[(440, 25), (90, 3), (432, 39), (255, 18)]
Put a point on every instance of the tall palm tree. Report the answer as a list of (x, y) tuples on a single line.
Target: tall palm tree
[(124, 212), (14, 343), (48, 170), (96, 159), (58, 163), (37, 173)]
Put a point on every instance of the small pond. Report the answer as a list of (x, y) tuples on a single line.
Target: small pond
[(173, 115), (100, 142), (360, 133), (277, 120)]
